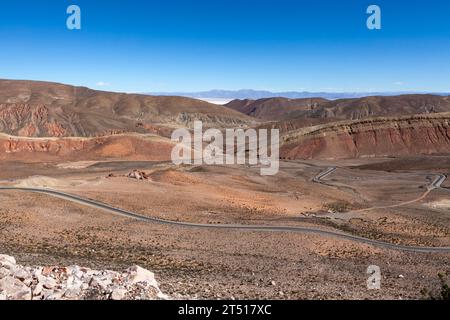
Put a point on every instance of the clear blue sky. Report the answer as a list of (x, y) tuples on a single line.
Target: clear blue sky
[(193, 45)]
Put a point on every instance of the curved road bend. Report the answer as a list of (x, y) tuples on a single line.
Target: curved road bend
[(258, 228), (324, 174), (435, 184)]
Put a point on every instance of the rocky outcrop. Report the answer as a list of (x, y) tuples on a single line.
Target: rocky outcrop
[(217, 120), (420, 134), (138, 175), (127, 146), (75, 283)]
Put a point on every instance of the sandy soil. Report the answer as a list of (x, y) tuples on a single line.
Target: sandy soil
[(200, 263)]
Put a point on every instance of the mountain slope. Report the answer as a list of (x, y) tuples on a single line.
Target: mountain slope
[(376, 137), (40, 109), (274, 108), (321, 110)]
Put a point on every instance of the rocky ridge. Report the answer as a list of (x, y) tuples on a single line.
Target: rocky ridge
[(399, 136), (301, 111), (124, 146)]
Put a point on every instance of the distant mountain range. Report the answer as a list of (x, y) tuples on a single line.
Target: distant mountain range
[(228, 95)]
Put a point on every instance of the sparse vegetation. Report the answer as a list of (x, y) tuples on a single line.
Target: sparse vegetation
[(443, 293)]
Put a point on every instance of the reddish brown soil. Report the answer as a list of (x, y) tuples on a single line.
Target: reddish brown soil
[(126, 147), (371, 138)]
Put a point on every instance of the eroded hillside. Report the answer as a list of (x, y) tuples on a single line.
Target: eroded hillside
[(399, 136), (41, 109)]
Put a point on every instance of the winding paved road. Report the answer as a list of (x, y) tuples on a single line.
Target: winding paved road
[(324, 174), (237, 227), (436, 184)]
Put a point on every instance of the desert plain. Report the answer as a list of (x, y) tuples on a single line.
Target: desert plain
[(384, 199)]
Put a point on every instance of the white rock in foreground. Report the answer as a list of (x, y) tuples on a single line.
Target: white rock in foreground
[(75, 283)]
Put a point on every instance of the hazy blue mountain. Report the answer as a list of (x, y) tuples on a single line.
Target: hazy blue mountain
[(260, 94)]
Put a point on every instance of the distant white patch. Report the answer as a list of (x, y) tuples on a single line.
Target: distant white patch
[(103, 84), (219, 101), (399, 83)]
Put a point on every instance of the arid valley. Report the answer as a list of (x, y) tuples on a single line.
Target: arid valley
[(362, 182)]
